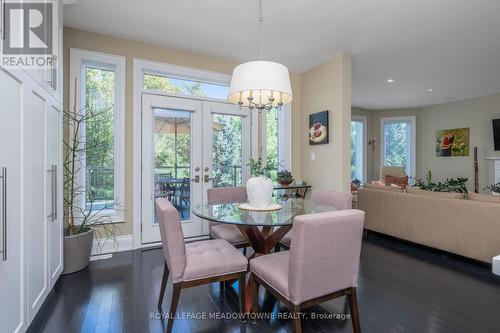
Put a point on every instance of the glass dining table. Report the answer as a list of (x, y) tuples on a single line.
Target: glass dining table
[(262, 229)]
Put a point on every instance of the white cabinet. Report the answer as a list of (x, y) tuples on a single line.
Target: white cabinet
[(31, 151), (12, 314)]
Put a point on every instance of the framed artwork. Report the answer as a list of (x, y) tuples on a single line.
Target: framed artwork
[(452, 142), (318, 128)]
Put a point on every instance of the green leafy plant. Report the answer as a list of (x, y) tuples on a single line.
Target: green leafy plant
[(494, 188), (450, 185), (258, 168), (284, 176)]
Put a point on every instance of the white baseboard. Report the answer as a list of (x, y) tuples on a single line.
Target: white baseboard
[(122, 243), (496, 265)]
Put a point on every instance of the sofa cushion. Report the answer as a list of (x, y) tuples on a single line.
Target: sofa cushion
[(484, 197), (212, 258), (450, 195)]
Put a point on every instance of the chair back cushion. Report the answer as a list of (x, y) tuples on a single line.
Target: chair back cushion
[(172, 238), (324, 254), (391, 171), (225, 195), (340, 200)]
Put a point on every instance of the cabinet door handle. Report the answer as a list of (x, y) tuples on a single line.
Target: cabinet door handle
[(53, 192), (3, 177)]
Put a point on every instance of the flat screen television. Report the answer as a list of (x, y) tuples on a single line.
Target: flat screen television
[(496, 133)]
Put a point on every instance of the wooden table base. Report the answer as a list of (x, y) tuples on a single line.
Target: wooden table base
[(262, 241)]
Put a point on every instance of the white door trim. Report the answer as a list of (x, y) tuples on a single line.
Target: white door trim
[(364, 120)]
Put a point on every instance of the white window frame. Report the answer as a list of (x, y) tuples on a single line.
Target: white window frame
[(78, 59), (413, 144), (363, 119)]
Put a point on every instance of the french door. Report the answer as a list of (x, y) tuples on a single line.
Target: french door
[(188, 146)]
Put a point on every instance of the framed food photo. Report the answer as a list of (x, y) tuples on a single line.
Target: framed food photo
[(452, 142), (318, 128)]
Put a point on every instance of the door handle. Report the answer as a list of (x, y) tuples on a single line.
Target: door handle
[(53, 172), (3, 177), (196, 179), (207, 179)]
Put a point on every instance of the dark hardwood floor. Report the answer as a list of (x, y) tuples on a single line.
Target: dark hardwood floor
[(402, 288)]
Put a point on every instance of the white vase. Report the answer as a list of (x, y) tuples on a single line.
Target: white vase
[(495, 193), (260, 192)]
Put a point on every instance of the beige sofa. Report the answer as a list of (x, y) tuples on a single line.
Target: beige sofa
[(467, 227)]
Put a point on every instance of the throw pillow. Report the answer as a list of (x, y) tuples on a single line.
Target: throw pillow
[(393, 180)]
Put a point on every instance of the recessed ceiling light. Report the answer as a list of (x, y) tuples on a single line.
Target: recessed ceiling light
[(429, 90), (389, 81)]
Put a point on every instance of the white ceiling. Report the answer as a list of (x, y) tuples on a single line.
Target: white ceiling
[(450, 46)]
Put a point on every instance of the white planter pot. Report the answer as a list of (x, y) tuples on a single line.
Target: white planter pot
[(495, 193), (260, 192)]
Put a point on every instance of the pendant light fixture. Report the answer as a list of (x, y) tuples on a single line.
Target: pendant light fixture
[(260, 85)]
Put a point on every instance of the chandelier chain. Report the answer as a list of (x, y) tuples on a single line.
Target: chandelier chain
[(261, 32)]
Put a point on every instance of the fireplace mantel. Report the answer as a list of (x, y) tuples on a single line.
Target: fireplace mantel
[(496, 160)]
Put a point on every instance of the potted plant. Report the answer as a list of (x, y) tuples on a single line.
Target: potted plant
[(284, 177), (84, 219), (260, 186), (495, 189)]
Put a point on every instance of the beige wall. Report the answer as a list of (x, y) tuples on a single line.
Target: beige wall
[(101, 43), (475, 113), (328, 87)]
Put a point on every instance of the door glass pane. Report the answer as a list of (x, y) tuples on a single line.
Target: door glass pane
[(397, 144), (99, 138), (172, 159), (226, 150), (357, 151)]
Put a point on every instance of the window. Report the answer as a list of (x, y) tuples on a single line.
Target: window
[(184, 87), (398, 143), (358, 139), (101, 96), (272, 141)]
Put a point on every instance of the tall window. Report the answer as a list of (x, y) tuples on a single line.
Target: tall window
[(101, 95), (358, 148), (398, 143), (272, 141)]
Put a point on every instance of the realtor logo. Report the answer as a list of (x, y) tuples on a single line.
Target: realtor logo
[(28, 35)]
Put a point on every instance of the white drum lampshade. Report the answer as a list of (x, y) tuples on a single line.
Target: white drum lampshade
[(267, 84)]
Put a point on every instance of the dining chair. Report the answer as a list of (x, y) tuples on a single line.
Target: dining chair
[(339, 200), (228, 232), (322, 264), (196, 263)]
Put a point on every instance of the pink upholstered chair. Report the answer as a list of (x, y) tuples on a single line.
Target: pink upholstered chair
[(322, 264), (195, 263), (339, 200), (228, 232)]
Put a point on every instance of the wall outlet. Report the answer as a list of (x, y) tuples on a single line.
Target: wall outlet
[(496, 265), (313, 156)]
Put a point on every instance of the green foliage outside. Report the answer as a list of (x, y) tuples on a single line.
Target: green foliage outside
[(227, 150), (272, 142), (100, 134), (396, 144)]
